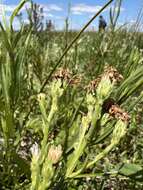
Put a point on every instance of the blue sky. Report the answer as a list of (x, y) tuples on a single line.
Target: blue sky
[(80, 11)]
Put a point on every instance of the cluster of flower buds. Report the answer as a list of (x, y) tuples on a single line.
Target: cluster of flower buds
[(118, 113)]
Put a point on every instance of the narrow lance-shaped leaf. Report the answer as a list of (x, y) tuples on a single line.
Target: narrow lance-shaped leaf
[(16, 11)]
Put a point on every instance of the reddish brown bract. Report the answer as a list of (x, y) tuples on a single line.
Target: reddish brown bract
[(63, 74), (113, 74), (118, 113)]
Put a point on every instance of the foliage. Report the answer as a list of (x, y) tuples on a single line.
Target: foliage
[(78, 126)]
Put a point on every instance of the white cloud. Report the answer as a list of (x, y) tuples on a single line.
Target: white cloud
[(46, 7), (133, 21), (77, 13), (84, 8), (48, 15), (54, 17), (8, 8), (52, 7), (80, 9), (12, 7)]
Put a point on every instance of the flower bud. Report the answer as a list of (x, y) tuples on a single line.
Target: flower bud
[(55, 153), (104, 88), (56, 89), (105, 118), (119, 131), (35, 150)]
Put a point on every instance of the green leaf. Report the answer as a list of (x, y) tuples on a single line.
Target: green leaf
[(108, 130), (130, 169), (16, 11)]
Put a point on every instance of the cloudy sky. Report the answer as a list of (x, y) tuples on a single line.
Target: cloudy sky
[(80, 11)]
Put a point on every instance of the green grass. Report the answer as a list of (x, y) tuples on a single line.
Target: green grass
[(59, 126)]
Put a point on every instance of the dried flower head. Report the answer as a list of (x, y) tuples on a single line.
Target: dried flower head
[(109, 72), (76, 80), (55, 153), (91, 87), (113, 74), (118, 113), (63, 74), (66, 75)]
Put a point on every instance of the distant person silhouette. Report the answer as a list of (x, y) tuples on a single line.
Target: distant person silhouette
[(102, 23)]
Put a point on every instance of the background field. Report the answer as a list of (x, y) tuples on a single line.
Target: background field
[(71, 113)]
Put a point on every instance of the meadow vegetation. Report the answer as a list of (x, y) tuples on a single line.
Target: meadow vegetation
[(71, 116)]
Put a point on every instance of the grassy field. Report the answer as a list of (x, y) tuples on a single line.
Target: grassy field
[(71, 120)]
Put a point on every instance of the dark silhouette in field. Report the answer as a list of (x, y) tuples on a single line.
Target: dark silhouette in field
[(49, 25), (102, 23)]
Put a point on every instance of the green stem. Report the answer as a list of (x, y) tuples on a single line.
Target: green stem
[(75, 157), (79, 148), (95, 118), (100, 156)]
